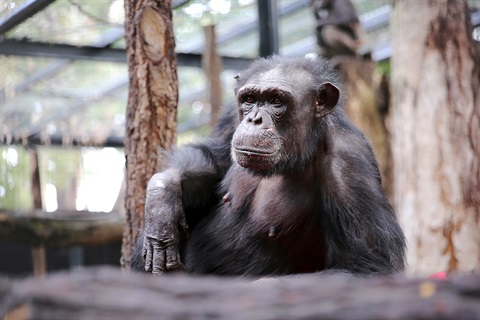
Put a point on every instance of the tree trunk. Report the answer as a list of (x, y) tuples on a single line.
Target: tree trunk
[(436, 134), (367, 106), (152, 104)]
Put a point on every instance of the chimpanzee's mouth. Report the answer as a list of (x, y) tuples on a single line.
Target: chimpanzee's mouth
[(259, 160), (254, 152)]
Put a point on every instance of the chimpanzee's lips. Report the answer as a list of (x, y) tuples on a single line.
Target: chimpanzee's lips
[(255, 152)]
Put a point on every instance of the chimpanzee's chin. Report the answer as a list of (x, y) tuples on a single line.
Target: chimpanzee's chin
[(256, 165)]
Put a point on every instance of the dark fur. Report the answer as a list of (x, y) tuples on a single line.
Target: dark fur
[(323, 209)]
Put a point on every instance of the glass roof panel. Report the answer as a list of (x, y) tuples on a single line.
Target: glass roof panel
[(234, 20), (296, 30), (72, 22), (69, 100), (9, 6), (88, 98)]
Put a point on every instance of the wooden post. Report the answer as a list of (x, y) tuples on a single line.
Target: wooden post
[(39, 259), (35, 178), (212, 65)]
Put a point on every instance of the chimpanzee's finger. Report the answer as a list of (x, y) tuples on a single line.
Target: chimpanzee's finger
[(147, 254), (173, 258), (158, 259)]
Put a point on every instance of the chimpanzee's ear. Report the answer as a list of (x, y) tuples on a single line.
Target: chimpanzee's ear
[(327, 98)]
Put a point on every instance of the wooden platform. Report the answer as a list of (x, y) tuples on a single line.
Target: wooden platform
[(106, 293)]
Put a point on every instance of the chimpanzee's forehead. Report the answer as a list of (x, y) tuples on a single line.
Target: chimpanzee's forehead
[(294, 80)]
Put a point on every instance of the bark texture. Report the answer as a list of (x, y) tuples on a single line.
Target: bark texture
[(436, 134), (152, 104)]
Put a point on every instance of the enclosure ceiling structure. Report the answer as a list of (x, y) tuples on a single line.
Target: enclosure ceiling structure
[(63, 62)]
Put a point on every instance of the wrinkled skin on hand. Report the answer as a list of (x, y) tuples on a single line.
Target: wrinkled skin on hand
[(163, 216)]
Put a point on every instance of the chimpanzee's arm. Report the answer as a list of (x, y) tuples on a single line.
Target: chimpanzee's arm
[(188, 182), (361, 230), (202, 165)]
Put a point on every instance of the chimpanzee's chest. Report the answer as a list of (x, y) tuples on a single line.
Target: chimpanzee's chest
[(271, 228), (273, 205), (283, 204)]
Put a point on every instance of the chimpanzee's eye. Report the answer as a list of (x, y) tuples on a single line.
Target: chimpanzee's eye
[(249, 99), (276, 101)]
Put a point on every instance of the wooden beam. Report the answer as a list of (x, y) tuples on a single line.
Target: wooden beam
[(61, 229), (65, 51)]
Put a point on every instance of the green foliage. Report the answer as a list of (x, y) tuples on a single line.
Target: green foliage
[(384, 67), (57, 165), (15, 185)]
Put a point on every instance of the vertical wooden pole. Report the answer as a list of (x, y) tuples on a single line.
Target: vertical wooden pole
[(212, 65), (39, 259), (35, 179)]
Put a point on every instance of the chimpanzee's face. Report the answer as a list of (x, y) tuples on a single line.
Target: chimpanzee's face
[(278, 110)]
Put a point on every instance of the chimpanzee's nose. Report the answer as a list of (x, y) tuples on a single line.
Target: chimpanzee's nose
[(260, 118)]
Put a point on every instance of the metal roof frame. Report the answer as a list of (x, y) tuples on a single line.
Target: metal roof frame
[(101, 50), (22, 13), (95, 53)]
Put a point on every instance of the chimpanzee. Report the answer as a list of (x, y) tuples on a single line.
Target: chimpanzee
[(337, 28), (284, 185)]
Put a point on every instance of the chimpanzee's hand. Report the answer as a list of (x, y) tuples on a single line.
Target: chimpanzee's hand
[(163, 216)]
